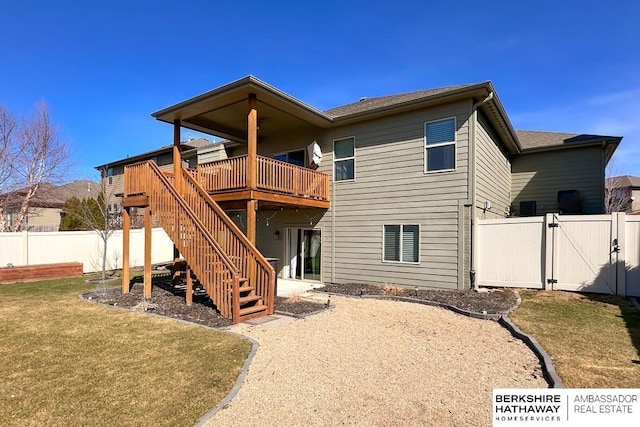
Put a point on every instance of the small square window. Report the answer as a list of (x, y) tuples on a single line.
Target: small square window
[(401, 243), (344, 159)]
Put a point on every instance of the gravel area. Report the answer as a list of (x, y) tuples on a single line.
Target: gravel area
[(378, 363)]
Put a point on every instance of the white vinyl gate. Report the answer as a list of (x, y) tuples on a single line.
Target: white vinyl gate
[(587, 253)]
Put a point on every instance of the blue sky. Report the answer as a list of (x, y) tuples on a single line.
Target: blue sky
[(103, 67)]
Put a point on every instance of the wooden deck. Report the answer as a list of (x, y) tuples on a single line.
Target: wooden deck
[(277, 182), (237, 277)]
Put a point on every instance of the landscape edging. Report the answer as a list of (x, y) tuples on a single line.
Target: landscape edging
[(236, 387), (548, 369), (245, 367)]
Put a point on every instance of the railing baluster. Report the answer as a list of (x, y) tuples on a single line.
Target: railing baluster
[(273, 175)]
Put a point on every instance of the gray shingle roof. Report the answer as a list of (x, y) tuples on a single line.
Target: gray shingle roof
[(535, 139), (369, 104), (81, 189), (185, 145), (624, 181), (52, 196), (198, 143)]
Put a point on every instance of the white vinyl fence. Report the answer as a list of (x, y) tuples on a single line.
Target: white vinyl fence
[(29, 248), (588, 253)]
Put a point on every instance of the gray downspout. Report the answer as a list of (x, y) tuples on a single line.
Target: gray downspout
[(334, 196), (473, 259)]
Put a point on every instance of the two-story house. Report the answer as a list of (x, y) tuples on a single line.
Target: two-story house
[(383, 190), (112, 173), (46, 208)]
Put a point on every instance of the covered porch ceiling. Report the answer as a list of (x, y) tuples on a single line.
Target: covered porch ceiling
[(223, 111)]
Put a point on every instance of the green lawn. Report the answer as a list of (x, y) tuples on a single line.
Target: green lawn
[(64, 361), (594, 340)]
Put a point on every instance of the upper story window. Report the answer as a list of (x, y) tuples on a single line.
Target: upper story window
[(296, 157), (110, 175), (344, 159), (440, 145)]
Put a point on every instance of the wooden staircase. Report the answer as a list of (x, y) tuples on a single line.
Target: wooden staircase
[(235, 275)]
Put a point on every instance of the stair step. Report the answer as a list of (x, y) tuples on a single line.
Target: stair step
[(246, 289), (249, 298), (254, 309)]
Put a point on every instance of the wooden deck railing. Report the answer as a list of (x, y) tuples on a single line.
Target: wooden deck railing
[(244, 255), (273, 175), (228, 174), (207, 259)]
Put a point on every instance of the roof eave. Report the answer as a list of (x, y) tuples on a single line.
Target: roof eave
[(509, 133), (136, 158), (438, 98), (172, 113), (609, 143), (478, 91)]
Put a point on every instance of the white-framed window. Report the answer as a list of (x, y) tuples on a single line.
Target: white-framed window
[(440, 145), (401, 243), (295, 157), (110, 175), (344, 159)]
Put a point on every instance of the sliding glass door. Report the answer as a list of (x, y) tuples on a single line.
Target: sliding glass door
[(304, 254)]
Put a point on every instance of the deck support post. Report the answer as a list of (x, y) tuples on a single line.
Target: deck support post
[(252, 143), (177, 160), (147, 253), (252, 207), (126, 227), (189, 291)]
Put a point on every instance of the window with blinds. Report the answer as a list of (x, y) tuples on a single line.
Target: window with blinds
[(401, 243), (344, 159), (440, 145)]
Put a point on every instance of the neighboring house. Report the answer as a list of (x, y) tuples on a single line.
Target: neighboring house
[(401, 182), (113, 172), (560, 172), (45, 209), (624, 193)]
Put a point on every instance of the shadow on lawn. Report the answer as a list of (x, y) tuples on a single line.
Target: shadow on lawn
[(609, 276)]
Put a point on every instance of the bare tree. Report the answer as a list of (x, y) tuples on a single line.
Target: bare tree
[(31, 153), (8, 126), (95, 214), (617, 197)]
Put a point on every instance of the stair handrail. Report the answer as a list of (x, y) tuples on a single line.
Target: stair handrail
[(237, 233), (193, 216), (229, 265), (225, 218)]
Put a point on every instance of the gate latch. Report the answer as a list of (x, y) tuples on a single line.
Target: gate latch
[(616, 247)]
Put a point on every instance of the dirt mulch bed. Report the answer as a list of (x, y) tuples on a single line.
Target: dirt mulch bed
[(298, 306), (493, 301), (169, 301)]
